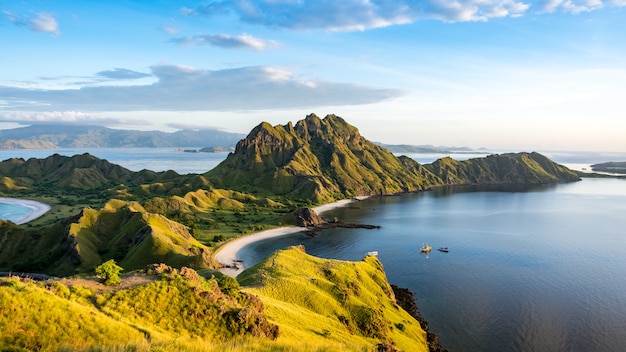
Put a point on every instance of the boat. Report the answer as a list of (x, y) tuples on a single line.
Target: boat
[(443, 249), (425, 249)]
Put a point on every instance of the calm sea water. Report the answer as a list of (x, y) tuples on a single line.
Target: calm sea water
[(535, 269), (134, 159)]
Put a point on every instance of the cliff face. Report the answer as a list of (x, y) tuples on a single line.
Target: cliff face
[(318, 160)]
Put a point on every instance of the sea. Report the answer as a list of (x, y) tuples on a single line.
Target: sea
[(537, 268)]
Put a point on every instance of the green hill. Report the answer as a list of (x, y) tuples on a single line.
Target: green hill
[(121, 230), (320, 160), (290, 302), (511, 168), (337, 304), (317, 160)]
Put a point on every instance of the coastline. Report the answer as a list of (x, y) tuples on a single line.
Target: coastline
[(37, 208), (228, 253)]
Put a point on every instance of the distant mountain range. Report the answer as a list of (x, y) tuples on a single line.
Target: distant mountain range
[(71, 136)]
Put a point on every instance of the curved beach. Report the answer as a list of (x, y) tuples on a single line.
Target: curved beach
[(228, 254), (37, 208)]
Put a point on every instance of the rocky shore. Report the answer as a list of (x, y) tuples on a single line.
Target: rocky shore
[(406, 300)]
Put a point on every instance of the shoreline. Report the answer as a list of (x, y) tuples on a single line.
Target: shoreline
[(37, 208), (228, 253)]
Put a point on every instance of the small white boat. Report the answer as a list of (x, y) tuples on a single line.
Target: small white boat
[(443, 249), (372, 254)]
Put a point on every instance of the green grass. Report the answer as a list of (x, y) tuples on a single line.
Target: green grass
[(35, 319), (338, 304)]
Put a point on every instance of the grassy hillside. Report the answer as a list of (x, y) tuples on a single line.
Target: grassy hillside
[(511, 168), (322, 305), (331, 305), (317, 160), (121, 230), (165, 310)]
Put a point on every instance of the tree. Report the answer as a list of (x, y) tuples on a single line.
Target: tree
[(109, 272)]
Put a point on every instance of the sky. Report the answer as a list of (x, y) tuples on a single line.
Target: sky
[(515, 75)]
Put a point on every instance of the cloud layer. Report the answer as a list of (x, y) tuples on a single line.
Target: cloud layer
[(244, 41), (351, 15), (182, 88)]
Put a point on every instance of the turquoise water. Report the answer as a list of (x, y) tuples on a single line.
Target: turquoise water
[(535, 269), (13, 212)]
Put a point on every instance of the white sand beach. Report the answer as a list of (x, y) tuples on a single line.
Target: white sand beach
[(228, 254), (38, 208)]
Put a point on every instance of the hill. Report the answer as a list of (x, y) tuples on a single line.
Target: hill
[(321, 160), (123, 231), (318, 160), (330, 302), (163, 309), (72, 136)]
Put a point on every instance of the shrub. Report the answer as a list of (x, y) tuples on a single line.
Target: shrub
[(109, 272)]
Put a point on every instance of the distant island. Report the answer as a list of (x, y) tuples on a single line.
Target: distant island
[(610, 167), (163, 230)]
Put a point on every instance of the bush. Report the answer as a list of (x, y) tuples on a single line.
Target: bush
[(109, 272)]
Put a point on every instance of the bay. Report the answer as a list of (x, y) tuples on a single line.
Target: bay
[(14, 212), (529, 269)]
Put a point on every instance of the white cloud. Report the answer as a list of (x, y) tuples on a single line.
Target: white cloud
[(169, 29), (44, 22), (574, 6), (244, 41), (40, 22), (122, 73), (184, 88)]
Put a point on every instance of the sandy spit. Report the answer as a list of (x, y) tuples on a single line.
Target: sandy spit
[(228, 254), (38, 208)]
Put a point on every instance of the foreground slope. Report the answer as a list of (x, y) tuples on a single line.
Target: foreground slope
[(168, 310), (347, 306)]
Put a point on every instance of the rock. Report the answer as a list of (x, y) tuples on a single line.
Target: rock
[(306, 217)]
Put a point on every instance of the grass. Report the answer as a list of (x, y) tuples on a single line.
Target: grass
[(292, 302), (337, 304)]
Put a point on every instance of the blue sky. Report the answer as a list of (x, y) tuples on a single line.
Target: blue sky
[(502, 74)]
